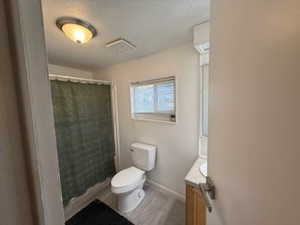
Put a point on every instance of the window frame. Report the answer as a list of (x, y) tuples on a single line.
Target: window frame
[(157, 116)]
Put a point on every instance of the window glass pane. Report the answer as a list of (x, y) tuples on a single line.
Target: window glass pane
[(144, 99), (165, 97)]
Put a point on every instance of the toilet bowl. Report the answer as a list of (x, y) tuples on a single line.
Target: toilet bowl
[(128, 186), (128, 183)]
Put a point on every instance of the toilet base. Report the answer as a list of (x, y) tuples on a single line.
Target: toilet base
[(129, 201)]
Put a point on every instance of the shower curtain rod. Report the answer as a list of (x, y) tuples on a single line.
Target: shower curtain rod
[(78, 80)]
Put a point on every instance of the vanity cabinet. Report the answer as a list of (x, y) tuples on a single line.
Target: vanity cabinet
[(195, 208)]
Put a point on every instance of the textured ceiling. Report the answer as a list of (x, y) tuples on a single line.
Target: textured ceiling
[(151, 25)]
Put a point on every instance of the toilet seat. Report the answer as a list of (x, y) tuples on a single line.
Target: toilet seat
[(127, 180)]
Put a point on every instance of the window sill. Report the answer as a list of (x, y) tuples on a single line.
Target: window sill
[(155, 121), (154, 113)]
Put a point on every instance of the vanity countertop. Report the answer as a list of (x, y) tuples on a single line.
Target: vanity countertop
[(194, 176)]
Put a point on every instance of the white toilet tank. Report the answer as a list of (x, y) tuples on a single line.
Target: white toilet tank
[(143, 156)]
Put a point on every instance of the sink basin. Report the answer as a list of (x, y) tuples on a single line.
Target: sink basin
[(203, 169)]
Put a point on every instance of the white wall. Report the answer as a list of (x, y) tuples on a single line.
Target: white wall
[(254, 126), (16, 202), (38, 131), (69, 71), (177, 144)]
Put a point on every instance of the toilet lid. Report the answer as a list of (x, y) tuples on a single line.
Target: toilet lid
[(127, 176)]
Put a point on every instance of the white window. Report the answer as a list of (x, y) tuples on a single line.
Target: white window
[(204, 98), (154, 99)]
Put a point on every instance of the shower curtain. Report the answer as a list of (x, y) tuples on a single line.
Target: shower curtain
[(84, 133)]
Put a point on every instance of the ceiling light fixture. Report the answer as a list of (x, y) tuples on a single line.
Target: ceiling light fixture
[(77, 30)]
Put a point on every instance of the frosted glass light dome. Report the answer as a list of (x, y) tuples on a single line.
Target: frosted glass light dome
[(77, 30)]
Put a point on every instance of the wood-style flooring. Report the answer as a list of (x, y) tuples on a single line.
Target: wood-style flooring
[(157, 208)]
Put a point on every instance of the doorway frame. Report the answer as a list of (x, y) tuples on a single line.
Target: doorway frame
[(29, 51)]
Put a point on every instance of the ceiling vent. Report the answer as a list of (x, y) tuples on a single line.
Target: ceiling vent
[(121, 45)]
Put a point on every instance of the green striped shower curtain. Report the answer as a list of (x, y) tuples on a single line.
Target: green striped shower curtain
[(84, 133)]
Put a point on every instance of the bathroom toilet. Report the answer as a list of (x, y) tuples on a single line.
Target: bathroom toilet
[(128, 183)]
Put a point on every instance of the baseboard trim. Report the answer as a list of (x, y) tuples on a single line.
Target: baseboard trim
[(166, 190)]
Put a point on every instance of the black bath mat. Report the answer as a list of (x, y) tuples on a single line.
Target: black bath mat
[(97, 213)]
